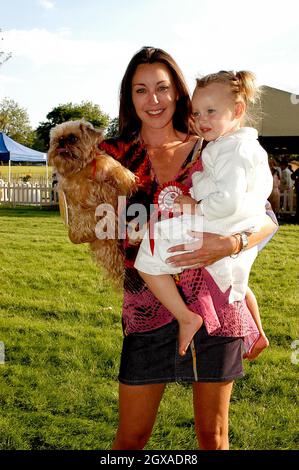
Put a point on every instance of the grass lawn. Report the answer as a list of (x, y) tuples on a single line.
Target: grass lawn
[(18, 171), (58, 384)]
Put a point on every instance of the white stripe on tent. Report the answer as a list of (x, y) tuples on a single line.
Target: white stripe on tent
[(20, 153)]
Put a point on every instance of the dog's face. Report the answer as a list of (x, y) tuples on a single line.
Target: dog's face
[(72, 146)]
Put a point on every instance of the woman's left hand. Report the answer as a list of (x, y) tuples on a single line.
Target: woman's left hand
[(207, 248)]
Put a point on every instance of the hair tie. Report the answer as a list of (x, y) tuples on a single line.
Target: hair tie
[(235, 75)]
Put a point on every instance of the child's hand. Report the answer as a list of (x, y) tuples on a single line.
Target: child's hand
[(185, 204), (135, 233)]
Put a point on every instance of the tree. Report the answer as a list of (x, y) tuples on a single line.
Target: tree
[(69, 111), (14, 121), (113, 128)]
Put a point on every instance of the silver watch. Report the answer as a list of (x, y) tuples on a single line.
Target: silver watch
[(244, 239)]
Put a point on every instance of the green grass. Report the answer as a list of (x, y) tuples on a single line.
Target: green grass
[(18, 171), (58, 386)]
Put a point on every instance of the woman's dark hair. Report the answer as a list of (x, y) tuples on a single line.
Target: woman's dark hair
[(129, 122)]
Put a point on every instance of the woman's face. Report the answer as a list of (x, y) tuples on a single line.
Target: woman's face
[(154, 95)]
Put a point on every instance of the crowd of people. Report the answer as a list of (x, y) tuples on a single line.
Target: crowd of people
[(285, 184)]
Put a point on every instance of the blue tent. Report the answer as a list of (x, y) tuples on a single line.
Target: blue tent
[(11, 151)]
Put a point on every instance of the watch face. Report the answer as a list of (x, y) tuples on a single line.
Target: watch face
[(244, 240)]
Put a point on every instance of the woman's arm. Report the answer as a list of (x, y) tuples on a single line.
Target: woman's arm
[(211, 247)]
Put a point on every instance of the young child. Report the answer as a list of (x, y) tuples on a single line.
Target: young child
[(229, 197)]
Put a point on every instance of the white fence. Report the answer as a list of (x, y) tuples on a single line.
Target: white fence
[(44, 194), (27, 194)]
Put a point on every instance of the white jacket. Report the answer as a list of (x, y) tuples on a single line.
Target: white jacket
[(233, 188), (235, 183)]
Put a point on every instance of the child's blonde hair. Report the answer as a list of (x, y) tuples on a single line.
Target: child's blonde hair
[(242, 85)]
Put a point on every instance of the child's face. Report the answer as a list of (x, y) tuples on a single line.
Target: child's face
[(214, 111)]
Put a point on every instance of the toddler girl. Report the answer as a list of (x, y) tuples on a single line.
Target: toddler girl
[(228, 197)]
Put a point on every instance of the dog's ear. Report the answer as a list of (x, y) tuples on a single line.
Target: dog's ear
[(52, 133), (89, 129), (84, 125)]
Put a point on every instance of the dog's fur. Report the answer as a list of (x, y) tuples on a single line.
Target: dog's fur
[(89, 177)]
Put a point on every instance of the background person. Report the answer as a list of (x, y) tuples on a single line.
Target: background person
[(295, 178), (274, 198), (286, 185)]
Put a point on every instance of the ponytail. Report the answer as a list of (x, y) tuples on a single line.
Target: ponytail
[(247, 86)]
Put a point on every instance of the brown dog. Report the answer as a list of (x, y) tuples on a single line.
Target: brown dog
[(89, 178)]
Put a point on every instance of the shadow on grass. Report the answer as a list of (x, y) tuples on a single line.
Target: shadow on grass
[(29, 211)]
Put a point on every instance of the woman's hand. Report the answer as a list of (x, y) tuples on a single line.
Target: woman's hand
[(207, 249)]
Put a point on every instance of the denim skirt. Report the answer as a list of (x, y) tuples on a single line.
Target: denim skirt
[(152, 357)]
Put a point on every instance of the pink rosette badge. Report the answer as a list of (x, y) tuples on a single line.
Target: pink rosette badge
[(164, 202), (166, 195)]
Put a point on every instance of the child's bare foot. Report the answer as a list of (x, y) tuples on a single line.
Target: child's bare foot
[(188, 327), (260, 344)]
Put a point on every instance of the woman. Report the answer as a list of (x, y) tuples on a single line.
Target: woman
[(274, 198), (156, 144)]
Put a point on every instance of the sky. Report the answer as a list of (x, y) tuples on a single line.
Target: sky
[(73, 50)]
